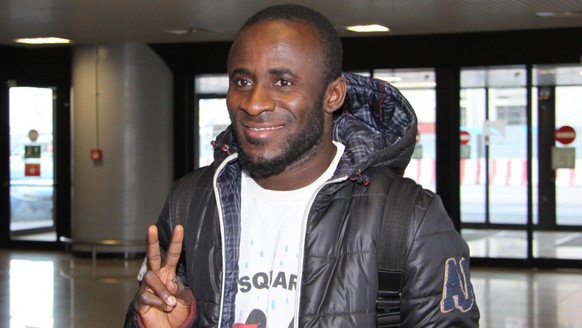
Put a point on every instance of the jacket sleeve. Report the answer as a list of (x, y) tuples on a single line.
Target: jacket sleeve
[(437, 289), (130, 317)]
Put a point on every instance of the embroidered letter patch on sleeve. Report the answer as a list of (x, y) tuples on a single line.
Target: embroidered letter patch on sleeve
[(457, 289)]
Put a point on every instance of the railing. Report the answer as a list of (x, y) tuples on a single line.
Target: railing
[(94, 244)]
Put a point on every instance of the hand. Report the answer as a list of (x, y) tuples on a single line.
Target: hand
[(163, 301)]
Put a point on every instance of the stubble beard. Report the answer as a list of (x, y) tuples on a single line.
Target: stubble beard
[(296, 150)]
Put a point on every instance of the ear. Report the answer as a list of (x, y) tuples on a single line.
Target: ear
[(335, 95)]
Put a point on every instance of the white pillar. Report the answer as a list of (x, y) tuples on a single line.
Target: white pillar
[(122, 104)]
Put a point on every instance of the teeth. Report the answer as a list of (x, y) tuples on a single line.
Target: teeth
[(263, 129)]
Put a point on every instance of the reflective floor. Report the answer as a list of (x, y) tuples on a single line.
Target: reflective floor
[(53, 289)]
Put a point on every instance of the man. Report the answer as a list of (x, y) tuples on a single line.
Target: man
[(281, 229)]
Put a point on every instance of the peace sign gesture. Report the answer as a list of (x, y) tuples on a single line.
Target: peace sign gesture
[(163, 301)]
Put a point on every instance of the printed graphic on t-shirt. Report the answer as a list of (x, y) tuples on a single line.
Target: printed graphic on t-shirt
[(266, 289), (263, 280)]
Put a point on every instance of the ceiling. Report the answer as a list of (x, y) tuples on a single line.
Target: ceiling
[(146, 21)]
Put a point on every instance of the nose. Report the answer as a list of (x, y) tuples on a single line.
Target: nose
[(257, 100)]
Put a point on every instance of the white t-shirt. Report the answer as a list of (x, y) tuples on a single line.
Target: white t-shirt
[(269, 246)]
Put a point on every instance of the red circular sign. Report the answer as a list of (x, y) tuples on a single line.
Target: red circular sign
[(465, 137), (565, 134)]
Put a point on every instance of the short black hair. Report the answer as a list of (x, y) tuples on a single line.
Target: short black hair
[(328, 36)]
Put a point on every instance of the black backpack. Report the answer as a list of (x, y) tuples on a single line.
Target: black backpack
[(400, 204)]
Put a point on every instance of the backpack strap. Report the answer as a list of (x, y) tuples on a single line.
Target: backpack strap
[(182, 196), (400, 204)]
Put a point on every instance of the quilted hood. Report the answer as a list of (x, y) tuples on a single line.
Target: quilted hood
[(377, 125)]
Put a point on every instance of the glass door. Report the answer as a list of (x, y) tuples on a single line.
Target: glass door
[(32, 185), (521, 175), (494, 161), (569, 169), (559, 99)]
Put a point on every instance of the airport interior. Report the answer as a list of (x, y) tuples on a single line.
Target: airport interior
[(94, 132)]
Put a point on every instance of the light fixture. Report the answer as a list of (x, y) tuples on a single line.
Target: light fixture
[(187, 31), (47, 40), (177, 32), (545, 14), (372, 28), (550, 14)]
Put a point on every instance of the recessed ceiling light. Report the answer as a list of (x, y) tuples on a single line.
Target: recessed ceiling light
[(187, 31), (368, 28), (178, 31), (48, 40), (549, 14)]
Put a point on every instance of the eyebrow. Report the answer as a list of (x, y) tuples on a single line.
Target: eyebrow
[(274, 71), (281, 72), (240, 71)]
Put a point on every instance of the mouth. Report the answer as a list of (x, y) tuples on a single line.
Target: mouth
[(260, 132), (268, 128)]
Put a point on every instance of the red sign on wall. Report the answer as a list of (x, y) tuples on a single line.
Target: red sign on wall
[(565, 134), (32, 169)]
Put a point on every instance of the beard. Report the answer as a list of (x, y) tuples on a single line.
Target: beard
[(299, 148)]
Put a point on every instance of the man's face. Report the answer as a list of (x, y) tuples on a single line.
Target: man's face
[(275, 95)]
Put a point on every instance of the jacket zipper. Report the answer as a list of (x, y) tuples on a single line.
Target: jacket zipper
[(302, 248), (220, 168)]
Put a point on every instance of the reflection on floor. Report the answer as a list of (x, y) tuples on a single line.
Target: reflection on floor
[(66, 291), (43, 236), (52, 289), (513, 244)]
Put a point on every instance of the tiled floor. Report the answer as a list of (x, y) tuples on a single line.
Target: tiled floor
[(52, 289)]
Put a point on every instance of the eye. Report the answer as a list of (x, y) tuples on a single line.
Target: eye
[(283, 83), (241, 83)]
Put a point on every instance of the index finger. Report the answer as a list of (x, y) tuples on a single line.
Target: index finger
[(154, 259), (175, 249)]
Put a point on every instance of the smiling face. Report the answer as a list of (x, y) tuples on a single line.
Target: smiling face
[(276, 99)]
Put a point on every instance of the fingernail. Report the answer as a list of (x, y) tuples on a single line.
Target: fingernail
[(171, 300)]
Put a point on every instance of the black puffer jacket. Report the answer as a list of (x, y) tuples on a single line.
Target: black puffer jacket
[(338, 281)]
